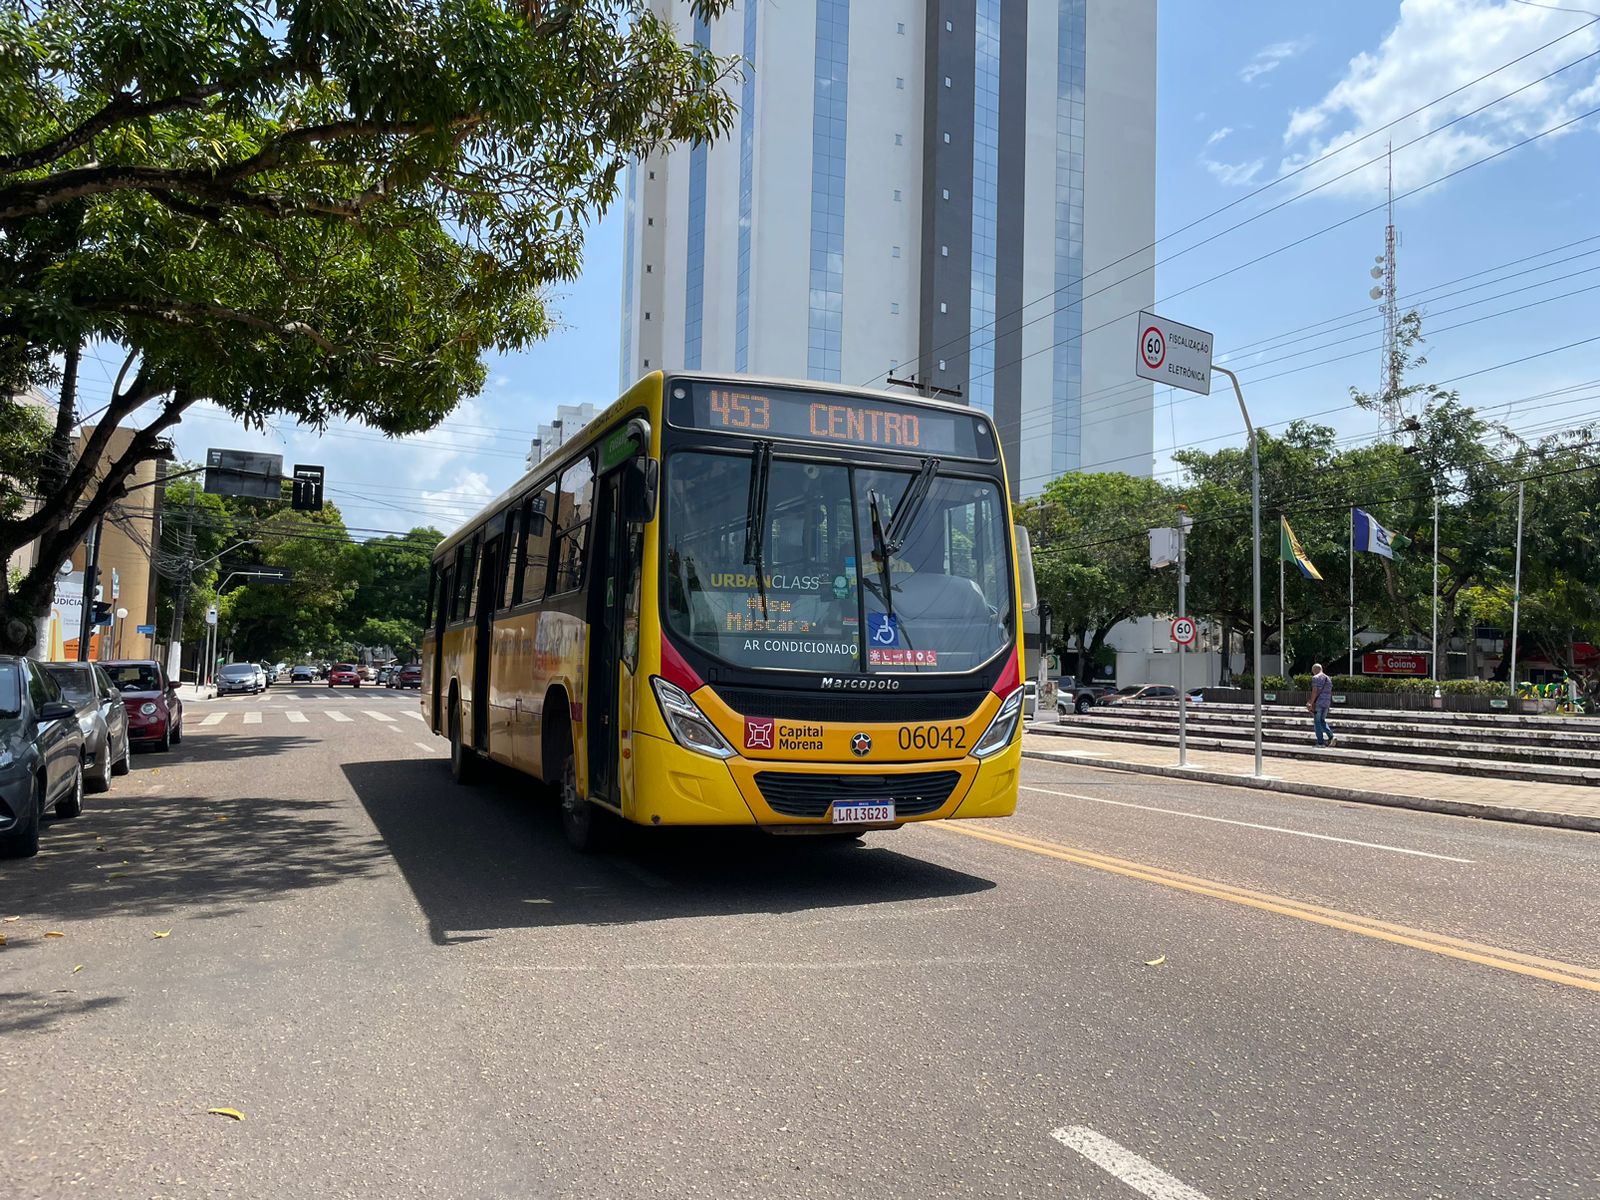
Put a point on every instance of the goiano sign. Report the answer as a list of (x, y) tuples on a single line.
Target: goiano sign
[(1173, 354)]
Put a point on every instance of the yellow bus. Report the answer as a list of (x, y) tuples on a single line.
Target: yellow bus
[(736, 601)]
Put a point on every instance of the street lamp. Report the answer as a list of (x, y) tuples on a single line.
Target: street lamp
[(122, 615)]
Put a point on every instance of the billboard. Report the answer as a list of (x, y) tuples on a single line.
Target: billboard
[(1395, 662)]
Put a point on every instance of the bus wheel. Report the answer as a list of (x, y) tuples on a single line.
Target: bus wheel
[(590, 828), (463, 761)]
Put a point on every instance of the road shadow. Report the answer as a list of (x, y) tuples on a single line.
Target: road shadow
[(146, 854), (33, 1012), (494, 857), (229, 747)]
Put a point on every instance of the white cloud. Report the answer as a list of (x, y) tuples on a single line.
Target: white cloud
[(1270, 58), (1218, 134), (1235, 174), (1435, 47), (470, 488)]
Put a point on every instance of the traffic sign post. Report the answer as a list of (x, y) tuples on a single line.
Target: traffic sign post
[(1180, 356), (1183, 626)]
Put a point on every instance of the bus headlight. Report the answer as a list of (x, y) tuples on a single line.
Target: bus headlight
[(998, 735), (691, 728)]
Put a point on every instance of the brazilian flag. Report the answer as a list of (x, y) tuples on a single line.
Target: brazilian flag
[(1294, 552)]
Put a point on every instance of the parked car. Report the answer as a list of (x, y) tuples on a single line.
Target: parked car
[(41, 754), (1072, 696), (267, 675), (155, 713), (239, 677), (343, 673), (1142, 691), (101, 717), (304, 673), (1030, 699), (383, 675), (368, 673), (410, 676)]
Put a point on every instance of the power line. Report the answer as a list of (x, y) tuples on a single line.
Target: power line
[(968, 337)]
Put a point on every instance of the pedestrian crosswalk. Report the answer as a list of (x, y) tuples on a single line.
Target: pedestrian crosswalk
[(293, 716)]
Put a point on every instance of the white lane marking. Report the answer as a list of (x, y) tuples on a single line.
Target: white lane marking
[(1321, 837), (377, 716), (213, 718), (423, 746), (335, 715), (253, 717), (296, 718), (412, 713), (1124, 1165)]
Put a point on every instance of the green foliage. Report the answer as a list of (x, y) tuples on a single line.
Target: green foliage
[(24, 440), (316, 208), (1091, 581), (1369, 684)]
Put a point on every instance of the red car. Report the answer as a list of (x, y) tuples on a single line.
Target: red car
[(155, 714), (343, 673)]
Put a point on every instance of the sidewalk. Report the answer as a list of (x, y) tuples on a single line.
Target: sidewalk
[(1561, 805)]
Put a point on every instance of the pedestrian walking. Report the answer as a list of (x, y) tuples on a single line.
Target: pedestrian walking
[(1319, 704)]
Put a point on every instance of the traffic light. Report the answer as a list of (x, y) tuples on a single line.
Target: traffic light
[(306, 494), (102, 613)]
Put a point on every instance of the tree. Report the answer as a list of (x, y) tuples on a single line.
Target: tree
[(392, 575), (319, 208), (1091, 555), (269, 620)]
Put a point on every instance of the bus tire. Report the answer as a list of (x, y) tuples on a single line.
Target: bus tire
[(589, 828), (463, 760)]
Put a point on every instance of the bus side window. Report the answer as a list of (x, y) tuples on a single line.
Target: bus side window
[(536, 543), (577, 503), (465, 577), (510, 576), (433, 587)]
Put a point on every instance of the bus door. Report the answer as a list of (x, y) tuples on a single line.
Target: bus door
[(489, 576), (610, 575), (443, 583)]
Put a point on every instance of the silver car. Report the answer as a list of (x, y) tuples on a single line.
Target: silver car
[(240, 677), (101, 716)]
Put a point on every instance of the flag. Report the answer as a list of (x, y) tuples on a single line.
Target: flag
[(1368, 535), (1293, 551)]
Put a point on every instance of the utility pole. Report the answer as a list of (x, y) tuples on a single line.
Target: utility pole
[(1516, 594), (91, 578), (180, 604)]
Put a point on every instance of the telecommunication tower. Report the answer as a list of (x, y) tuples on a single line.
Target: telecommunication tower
[(1390, 414)]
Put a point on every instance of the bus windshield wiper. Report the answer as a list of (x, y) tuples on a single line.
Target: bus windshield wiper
[(755, 519), (881, 552), (911, 500)]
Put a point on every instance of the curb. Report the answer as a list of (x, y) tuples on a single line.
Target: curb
[(1454, 808)]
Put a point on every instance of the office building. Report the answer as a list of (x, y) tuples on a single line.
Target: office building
[(959, 190), (568, 420)]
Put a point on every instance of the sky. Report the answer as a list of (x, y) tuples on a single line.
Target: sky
[(1494, 256)]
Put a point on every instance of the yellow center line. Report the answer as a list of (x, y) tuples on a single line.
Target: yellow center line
[(1551, 970)]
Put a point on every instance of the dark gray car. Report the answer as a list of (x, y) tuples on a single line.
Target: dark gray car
[(240, 677), (102, 718), (41, 755)]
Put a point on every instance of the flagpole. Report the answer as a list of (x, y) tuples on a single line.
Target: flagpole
[(1436, 675), (1351, 668), (1283, 646), (1516, 595)]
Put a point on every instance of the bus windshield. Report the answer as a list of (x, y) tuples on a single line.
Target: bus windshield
[(836, 595)]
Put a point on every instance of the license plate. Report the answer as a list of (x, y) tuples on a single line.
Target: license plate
[(862, 812)]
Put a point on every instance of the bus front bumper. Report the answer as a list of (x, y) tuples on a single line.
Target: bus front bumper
[(694, 789)]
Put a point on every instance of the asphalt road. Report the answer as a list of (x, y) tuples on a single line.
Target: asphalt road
[(1133, 987)]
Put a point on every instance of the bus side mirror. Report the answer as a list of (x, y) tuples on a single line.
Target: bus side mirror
[(639, 485), (1025, 578)]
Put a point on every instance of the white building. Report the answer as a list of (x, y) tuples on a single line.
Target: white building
[(568, 420), (960, 190)]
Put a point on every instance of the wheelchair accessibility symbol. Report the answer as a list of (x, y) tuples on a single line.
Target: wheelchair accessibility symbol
[(882, 629)]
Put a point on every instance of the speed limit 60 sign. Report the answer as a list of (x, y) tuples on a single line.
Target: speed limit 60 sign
[(1175, 354), (1183, 631)]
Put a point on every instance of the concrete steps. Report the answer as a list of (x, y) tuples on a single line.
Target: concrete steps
[(1544, 749), (1385, 739)]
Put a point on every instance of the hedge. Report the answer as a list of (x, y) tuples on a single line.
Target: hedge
[(1378, 683)]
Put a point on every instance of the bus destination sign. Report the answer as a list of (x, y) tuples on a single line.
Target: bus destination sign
[(818, 417)]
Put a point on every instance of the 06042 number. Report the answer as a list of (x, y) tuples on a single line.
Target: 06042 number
[(933, 737)]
